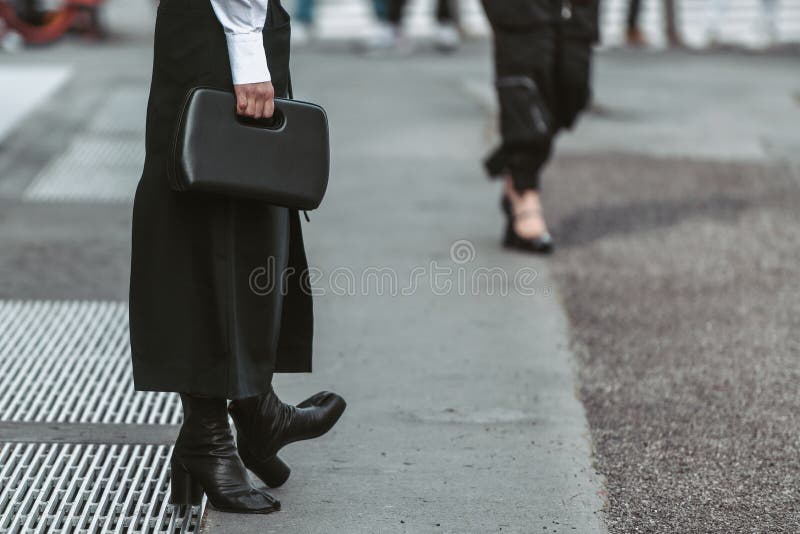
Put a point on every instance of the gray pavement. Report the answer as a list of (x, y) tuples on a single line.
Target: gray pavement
[(463, 415), (676, 208)]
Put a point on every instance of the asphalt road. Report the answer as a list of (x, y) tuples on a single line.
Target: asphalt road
[(680, 280), (679, 270)]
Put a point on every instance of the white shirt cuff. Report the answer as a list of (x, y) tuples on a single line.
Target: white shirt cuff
[(248, 59)]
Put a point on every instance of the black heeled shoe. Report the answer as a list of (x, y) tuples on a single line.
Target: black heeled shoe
[(264, 425), (542, 244), (204, 460)]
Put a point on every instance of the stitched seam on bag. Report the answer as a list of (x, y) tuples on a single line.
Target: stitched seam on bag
[(172, 171)]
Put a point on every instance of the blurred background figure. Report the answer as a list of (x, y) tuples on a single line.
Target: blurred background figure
[(634, 35), (542, 54), (447, 37), (766, 26), (303, 22), (39, 22), (304, 28), (381, 9)]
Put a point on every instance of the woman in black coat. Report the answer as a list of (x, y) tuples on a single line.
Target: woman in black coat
[(201, 323), (543, 51)]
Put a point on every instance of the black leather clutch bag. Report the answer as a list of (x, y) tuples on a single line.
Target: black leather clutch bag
[(283, 161)]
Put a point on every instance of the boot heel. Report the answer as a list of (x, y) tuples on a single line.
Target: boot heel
[(184, 490), (274, 472)]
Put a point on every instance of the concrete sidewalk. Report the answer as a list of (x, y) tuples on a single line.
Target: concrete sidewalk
[(462, 409), (462, 415)]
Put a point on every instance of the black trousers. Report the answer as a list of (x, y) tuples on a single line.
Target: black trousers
[(670, 18), (444, 11), (634, 8), (542, 67), (524, 60)]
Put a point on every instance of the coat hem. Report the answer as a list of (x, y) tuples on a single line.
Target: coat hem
[(185, 380)]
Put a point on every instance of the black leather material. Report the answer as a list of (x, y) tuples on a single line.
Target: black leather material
[(205, 461), (274, 472), (195, 254), (264, 425), (284, 161)]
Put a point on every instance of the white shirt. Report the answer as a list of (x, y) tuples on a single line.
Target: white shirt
[(243, 21)]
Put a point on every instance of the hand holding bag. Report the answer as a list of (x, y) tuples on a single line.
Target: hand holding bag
[(283, 161)]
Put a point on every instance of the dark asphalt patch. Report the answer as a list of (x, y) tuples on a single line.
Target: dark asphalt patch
[(681, 280)]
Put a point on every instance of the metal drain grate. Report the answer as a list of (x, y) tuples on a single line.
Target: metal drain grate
[(79, 390), (78, 328), (93, 168), (69, 361), (88, 488)]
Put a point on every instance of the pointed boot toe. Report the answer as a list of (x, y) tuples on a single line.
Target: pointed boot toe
[(331, 406)]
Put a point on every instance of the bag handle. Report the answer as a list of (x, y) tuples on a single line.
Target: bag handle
[(276, 122)]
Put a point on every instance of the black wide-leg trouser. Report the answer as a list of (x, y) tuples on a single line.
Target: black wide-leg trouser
[(445, 11), (542, 66)]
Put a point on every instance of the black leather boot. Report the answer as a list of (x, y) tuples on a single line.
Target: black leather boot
[(264, 425), (205, 461)]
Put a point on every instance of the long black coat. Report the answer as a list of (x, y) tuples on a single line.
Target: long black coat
[(203, 319)]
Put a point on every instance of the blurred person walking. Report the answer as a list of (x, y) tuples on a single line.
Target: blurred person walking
[(542, 54), (633, 33), (446, 35), (197, 327), (304, 16)]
